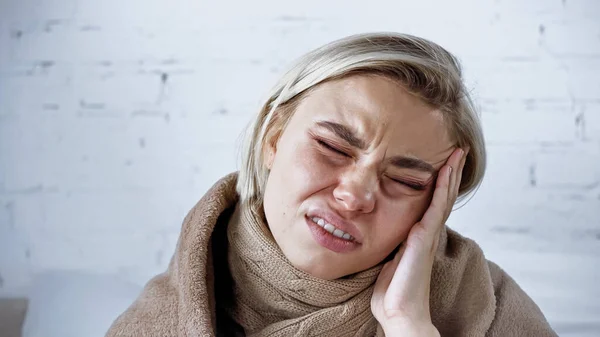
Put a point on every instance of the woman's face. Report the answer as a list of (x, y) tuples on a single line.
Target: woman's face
[(352, 172)]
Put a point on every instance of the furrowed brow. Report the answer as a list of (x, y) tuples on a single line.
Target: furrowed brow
[(344, 132), (412, 163)]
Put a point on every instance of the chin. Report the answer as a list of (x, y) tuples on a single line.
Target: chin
[(321, 273), (317, 269)]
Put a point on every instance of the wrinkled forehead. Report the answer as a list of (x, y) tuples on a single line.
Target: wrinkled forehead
[(381, 111)]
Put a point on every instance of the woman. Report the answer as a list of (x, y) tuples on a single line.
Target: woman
[(334, 225)]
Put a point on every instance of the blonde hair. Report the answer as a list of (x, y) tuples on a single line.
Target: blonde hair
[(424, 68)]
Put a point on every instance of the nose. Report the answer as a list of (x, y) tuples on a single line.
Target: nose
[(356, 191)]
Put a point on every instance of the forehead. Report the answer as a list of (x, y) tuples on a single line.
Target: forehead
[(381, 112)]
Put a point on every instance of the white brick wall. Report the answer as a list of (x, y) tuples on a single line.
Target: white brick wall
[(116, 116)]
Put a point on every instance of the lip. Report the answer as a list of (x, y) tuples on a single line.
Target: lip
[(337, 221), (328, 240)]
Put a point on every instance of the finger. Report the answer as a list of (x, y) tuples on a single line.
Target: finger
[(388, 268), (385, 276), (435, 213), (455, 161), (453, 174), (408, 288), (459, 174)]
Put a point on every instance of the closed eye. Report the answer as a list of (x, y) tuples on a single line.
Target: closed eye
[(332, 148), (414, 186)]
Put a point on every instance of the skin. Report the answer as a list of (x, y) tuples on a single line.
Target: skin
[(359, 185)]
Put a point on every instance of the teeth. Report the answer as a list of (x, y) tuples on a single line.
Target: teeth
[(338, 233), (331, 229)]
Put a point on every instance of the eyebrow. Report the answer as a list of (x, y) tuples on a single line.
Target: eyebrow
[(350, 137), (345, 133), (412, 163)]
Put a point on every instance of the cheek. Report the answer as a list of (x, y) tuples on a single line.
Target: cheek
[(415, 208), (306, 172), (397, 218)]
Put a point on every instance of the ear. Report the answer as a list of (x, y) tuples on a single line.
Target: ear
[(270, 157), (271, 140), (269, 154)]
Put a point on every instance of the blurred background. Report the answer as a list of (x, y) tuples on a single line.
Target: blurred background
[(117, 116)]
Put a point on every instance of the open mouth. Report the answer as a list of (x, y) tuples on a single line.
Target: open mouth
[(330, 237), (332, 229)]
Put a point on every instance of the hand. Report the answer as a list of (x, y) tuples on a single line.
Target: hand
[(400, 301)]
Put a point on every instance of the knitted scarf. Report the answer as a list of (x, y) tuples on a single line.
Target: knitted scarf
[(273, 298)]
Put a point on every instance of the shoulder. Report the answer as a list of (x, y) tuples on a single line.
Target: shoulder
[(515, 313), (153, 313)]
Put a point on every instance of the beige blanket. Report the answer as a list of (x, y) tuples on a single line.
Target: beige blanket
[(470, 296)]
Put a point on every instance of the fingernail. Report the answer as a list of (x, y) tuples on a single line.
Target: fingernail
[(462, 153)]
